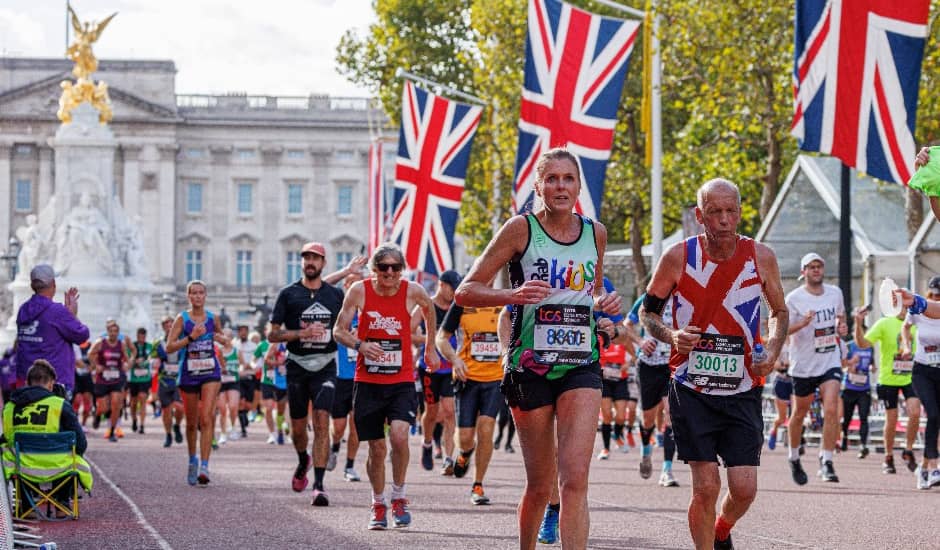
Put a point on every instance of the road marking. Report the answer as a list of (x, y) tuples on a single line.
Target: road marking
[(140, 516), (684, 520)]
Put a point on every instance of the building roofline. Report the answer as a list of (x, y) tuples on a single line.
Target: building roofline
[(60, 64)]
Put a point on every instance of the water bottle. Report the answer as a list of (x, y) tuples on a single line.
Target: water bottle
[(48, 546), (758, 355)]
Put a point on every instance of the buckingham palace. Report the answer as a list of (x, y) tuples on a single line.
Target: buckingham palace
[(225, 188)]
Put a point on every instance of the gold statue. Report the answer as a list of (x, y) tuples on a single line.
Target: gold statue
[(84, 88)]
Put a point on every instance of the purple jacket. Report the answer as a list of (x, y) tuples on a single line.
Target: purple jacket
[(47, 330)]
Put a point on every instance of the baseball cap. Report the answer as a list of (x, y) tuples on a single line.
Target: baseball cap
[(313, 248), (810, 258), (934, 284), (42, 273), (450, 277)]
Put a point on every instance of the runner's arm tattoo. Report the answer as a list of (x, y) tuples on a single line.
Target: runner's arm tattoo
[(655, 326)]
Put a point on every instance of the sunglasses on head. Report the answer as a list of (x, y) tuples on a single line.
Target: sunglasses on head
[(385, 267)]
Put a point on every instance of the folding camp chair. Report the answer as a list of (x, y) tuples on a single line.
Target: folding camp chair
[(37, 488)]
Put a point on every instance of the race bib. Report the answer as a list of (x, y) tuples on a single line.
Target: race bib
[(484, 347), (200, 365), (717, 362), (932, 355), (317, 313), (352, 355), (81, 371), (611, 373), (631, 372), (141, 373), (825, 339), (110, 374), (171, 369), (227, 378), (902, 366), (390, 360), (858, 378), (563, 335)]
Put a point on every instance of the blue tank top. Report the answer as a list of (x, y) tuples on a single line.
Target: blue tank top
[(198, 362), (280, 380), (346, 357), (861, 380)]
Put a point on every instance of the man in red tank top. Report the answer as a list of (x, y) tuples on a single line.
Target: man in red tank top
[(715, 281), (383, 390)]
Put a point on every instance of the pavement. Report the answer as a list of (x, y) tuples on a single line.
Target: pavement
[(141, 501)]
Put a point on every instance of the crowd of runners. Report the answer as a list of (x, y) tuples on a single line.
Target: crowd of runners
[(363, 355)]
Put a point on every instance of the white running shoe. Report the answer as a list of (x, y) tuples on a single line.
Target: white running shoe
[(351, 475), (934, 478), (666, 479), (331, 462), (923, 479), (272, 439), (233, 434), (223, 439)]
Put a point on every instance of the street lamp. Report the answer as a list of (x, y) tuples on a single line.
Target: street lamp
[(11, 255), (167, 300)]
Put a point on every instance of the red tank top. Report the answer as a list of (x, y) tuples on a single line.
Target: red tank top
[(111, 357), (723, 300), (386, 321)]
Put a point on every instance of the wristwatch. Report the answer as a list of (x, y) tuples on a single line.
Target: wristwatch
[(358, 345)]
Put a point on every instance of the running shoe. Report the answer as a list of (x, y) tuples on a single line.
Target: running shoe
[(923, 479), (646, 462), (623, 446), (215, 444), (233, 434), (280, 438), (378, 522), (141, 430), (319, 498), (862, 453), (168, 441), (331, 462), (548, 532), (438, 453), (828, 473), (798, 473), (401, 517), (193, 472), (112, 437), (509, 449), (448, 468), (251, 416), (134, 426), (630, 440), (119, 431), (603, 455), (887, 467), (350, 474), (299, 481), (177, 434), (934, 478), (908, 456), (621, 443), (666, 479), (843, 445), (272, 440), (724, 544), (477, 497), (427, 458), (772, 440), (461, 465), (223, 439), (203, 477)]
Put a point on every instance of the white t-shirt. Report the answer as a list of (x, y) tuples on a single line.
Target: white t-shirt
[(815, 348), (927, 350)]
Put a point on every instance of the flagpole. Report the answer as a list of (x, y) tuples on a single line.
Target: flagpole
[(656, 172), (402, 73), (845, 240), (617, 6)]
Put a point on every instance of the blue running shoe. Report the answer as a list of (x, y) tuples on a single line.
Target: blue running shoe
[(192, 475), (548, 533), (772, 440), (280, 438)]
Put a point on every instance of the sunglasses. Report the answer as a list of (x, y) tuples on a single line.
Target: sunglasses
[(385, 267)]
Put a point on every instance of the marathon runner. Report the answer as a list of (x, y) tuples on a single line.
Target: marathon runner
[(894, 377), (343, 399), (384, 389), (274, 389), (247, 376), (109, 355), (229, 393), (783, 390), (438, 384), (168, 369), (715, 281), (817, 321), (477, 371), (83, 396), (926, 380), (194, 335), (856, 391), (140, 377), (653, 374), (555, 260), (304, 314)]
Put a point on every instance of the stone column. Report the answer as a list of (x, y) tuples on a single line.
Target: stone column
[(164, 268), (6, 192), (132, 206), (46, 185), (272, 211), (219, 260)]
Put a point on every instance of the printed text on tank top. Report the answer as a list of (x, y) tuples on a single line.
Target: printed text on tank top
[(171, 366), (390, 360), (111, 358), (200, 352)]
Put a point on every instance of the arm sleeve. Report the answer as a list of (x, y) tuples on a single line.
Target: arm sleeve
[(452, 319), (634, 314), (69, 423)]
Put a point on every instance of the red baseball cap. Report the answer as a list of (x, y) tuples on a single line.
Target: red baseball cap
[(313, 248)]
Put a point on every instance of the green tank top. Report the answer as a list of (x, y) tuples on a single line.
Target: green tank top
[(140, 370), (231, 363), (557, 334)]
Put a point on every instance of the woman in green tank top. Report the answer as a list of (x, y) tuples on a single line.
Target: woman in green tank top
[(228, 394), (555, 260)]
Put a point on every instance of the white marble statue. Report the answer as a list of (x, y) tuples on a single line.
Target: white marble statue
[(82, 242), (30, 244)]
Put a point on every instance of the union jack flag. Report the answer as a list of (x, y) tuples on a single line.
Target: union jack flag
[(574, 72), (855, 81), (379, 216), (433, 153)]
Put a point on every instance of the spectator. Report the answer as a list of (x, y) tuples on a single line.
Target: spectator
[(46, 329)]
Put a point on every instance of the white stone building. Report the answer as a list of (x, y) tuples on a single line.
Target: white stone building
[(226, 188)]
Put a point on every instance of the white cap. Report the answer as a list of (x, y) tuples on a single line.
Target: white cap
[(808, 259)]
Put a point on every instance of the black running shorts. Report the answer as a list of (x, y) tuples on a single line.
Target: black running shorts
[(270, 391), (305, 387), (437, 386), (476, 399), (374, 405), (342, 399), (709, 427), (529, 391), (618, 390), (889, 394), (804, 386), (654, 384)]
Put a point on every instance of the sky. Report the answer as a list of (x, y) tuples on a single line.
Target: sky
[(269, 47)]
